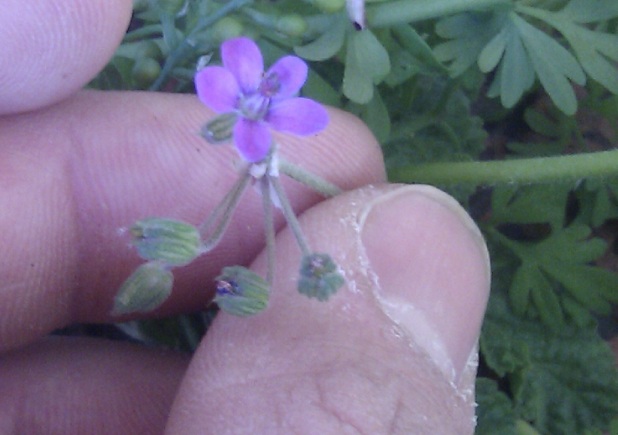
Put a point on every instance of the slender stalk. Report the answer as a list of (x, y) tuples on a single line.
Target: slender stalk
[(289, 215), (407, 11), (186, 45), (221, 216), (316, 183), (534, 170), (269, 229), (143, 32)]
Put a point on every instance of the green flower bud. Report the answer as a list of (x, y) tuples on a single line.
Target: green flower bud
[(147, 288), (319, 276), (226, 28), (220, 129), (149, 48), (172, 242), (292, 25), (241, 292), (145, 71), (329, 6)]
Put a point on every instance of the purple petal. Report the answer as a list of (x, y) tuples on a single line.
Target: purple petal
[(291, 73), (217, 88), (300, 116), (252, 139), (243, 58)]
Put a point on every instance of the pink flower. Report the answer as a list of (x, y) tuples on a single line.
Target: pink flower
[(262, 100)]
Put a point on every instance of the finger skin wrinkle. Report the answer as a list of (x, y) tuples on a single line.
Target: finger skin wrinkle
[(37, 217)]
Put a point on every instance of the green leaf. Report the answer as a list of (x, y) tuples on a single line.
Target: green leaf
[(561, 382), (590, 48), (539, 203), (557, 268), (553, 64), (589, 11), (327, 44), (367, 63), (468, 34), (598, 201), (495, 410), (593, 49)]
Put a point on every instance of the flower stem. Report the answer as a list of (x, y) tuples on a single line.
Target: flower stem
[(269, 228), (289, 215), (406, 11), (534, 170), (221, 216), (187, 44), (309, 179)]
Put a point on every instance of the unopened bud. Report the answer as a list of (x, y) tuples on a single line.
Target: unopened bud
[(329, 6), (292, 25), (172, 242), (220, 129), (147, 288), (319, 276), (241, 292)]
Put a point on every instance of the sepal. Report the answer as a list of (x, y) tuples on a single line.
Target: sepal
[(319, 276), (172, 242), (241, 292), (220, 129)]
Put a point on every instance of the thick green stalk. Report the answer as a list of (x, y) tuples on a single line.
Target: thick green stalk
[(534, 170), (408, 11), (309, 179)]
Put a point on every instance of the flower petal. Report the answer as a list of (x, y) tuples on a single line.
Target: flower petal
[(217, 88), (252, 139), (300, 116), (243, 58), (291, 72)]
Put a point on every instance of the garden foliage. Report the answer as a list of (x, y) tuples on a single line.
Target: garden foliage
[(447, 83)]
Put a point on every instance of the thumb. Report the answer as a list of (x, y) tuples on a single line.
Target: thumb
[(394, 351)]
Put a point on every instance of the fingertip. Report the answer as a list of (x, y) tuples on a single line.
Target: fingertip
[(348, 362), (432, 267), (51, 49)]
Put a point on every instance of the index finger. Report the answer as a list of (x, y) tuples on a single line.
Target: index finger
[(73, 175), (50, 49)]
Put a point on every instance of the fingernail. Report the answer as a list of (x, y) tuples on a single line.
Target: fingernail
[(433, 271)]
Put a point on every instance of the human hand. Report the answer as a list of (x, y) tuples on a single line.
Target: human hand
[(392, 352)]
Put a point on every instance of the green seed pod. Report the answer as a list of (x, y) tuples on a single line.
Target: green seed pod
[(169, 241), (241, 292), (226, 28), (292, 25), (145, 71), (329, 6), (219, 130), (147, 288), (319, 277)]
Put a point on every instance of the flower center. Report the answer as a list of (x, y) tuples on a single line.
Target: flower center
[(270, 85), (254, 106)]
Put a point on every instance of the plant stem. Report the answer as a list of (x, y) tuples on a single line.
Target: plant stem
[(407, 11), (186, 45), (221, 216), (269, 228), (308, 179), (534, 170), (290, 217)]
